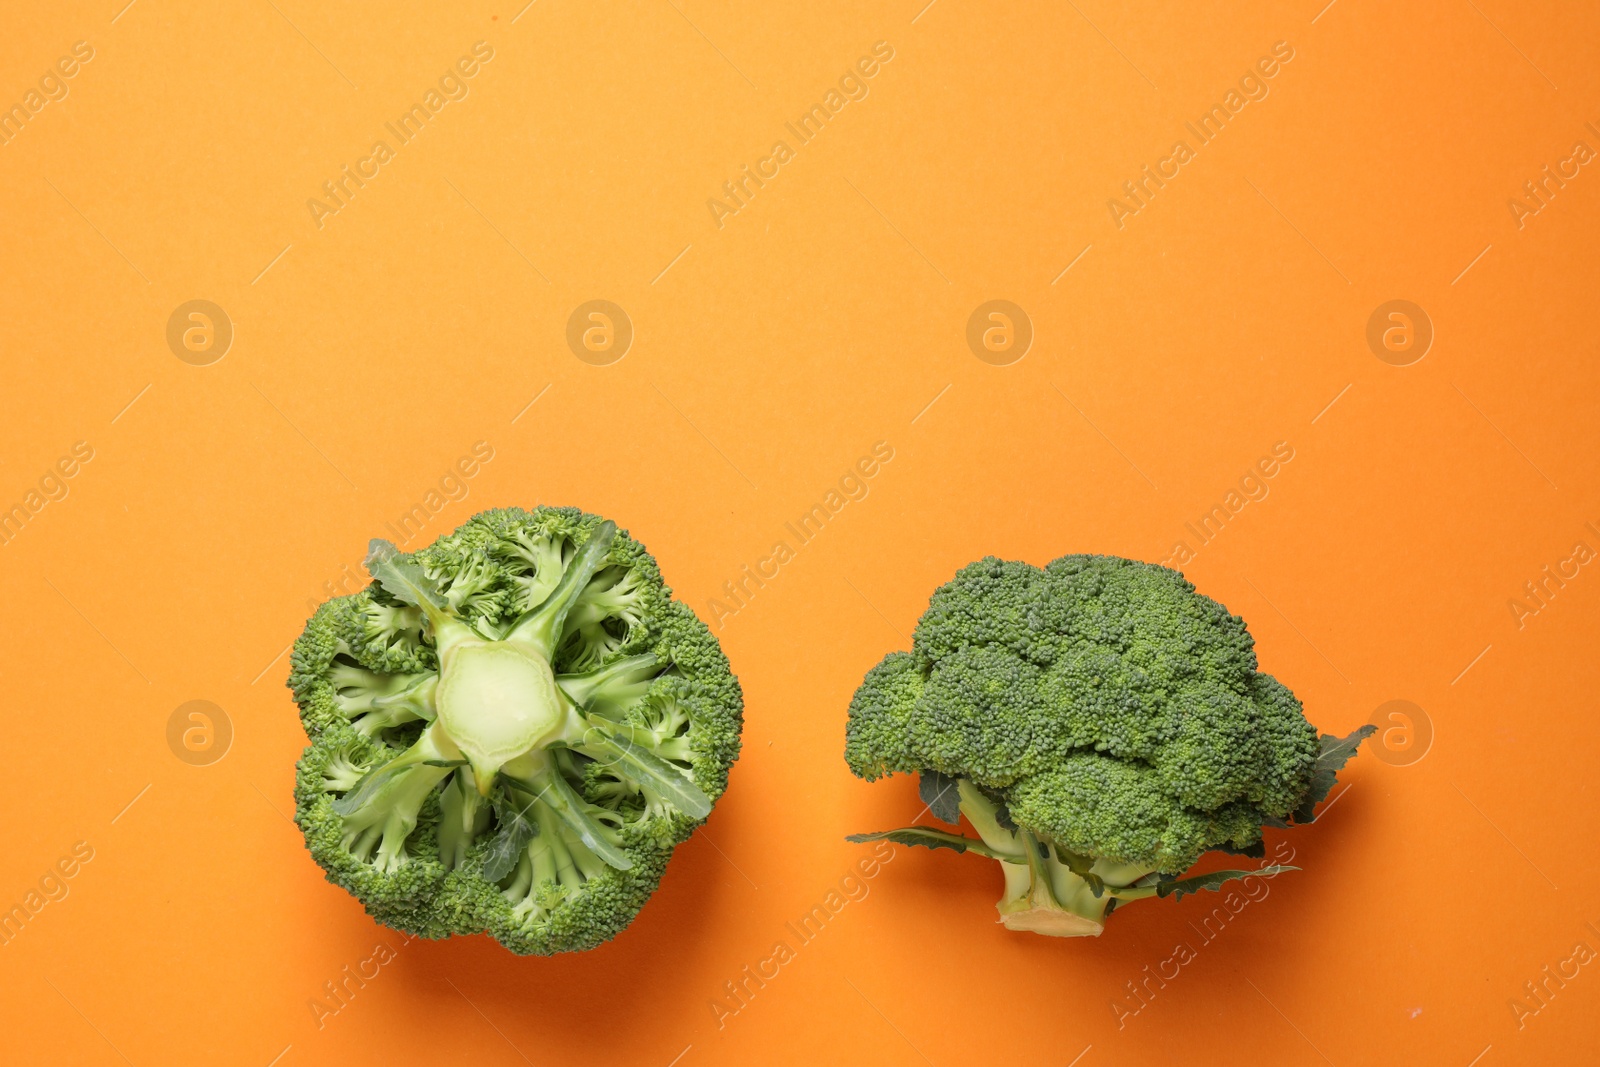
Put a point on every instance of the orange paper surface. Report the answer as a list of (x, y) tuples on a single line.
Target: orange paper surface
[(1297, 300)]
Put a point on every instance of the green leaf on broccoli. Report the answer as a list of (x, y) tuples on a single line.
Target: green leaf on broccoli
[(517, 828), (1182, 887), (938, 791), (927, 837), (1336, 752), (401, 576)]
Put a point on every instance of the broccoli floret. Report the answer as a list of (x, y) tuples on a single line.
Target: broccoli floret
[(1100, 725), (511, 730), (374, 701), (390, 636)]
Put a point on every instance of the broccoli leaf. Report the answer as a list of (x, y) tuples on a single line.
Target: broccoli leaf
[(1336, 752), (1002, 814), (1080, 866), (676, 787), (576, 814), (1256, 851), (541, 626), (516, 830), (939, 792), (368, 787), (1214, 881), (930, 838), (401, 577)]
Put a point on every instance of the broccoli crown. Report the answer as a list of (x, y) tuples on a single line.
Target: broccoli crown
[(1106, 706), (511, 730)]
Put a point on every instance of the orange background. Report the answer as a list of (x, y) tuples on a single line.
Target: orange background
[(769, 354)]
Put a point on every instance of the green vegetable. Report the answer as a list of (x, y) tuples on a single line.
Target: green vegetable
[(511, 729), (1100, 725)]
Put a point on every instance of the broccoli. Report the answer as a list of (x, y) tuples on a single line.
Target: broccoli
[(511, 729), (1100, 724)]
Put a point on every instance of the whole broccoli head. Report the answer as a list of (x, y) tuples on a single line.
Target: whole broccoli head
[(1100, 724), (511, 730)]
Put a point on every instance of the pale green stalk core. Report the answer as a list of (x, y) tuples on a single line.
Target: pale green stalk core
[(499, 720), (498, 701)]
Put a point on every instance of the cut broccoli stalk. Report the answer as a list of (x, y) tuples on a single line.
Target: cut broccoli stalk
[(1048, 890), (500, 718), (498, 700)]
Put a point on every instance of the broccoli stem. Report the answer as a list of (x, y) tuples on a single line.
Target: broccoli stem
[(541, 627), (612, 687), (498, 700), (374, 702), (632, 750), (382, 809), (537, 775), (498, 713), (1043, 893), (463, 816), (574, 863)]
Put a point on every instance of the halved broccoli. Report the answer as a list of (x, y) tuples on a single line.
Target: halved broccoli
[(511, 730), (1100, 724)]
